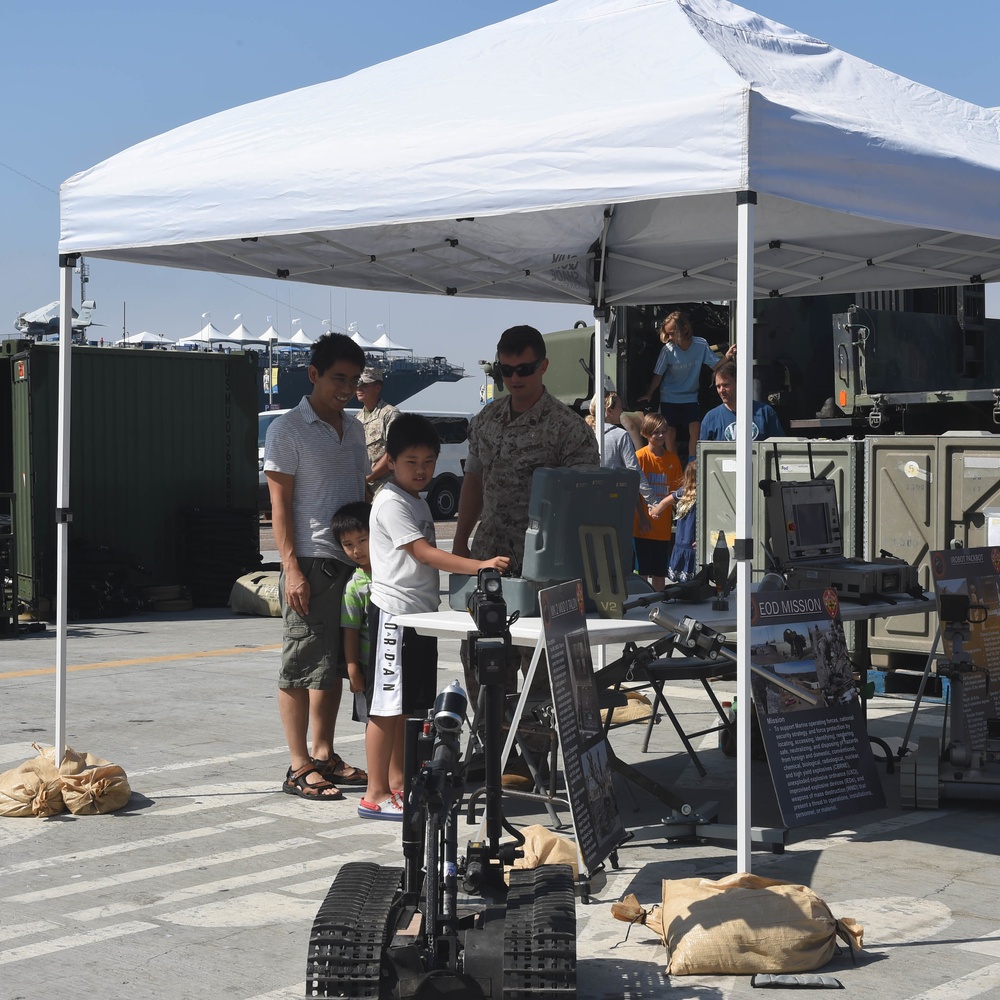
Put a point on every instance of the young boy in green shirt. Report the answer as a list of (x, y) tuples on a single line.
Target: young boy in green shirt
[(350, 528)]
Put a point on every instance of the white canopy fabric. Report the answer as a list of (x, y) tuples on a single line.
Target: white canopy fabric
[(385, 343), (302, 338), (499, 188), (208, 334), (360, 341), (271, 336), (242, 334), (145, 337), (597, 151)]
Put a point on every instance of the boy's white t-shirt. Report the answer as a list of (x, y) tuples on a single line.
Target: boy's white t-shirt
[(400, 584)]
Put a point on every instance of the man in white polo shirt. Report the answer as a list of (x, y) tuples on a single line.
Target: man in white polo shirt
[(315, 461)]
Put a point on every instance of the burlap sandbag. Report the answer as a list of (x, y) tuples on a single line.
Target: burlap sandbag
[(543, 847), (637, 708), (90, 784), (72, 761), (99, 789), (33, 788), (744, 924), (257, 593)]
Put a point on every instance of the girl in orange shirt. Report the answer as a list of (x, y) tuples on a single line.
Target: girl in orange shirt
[(663, 472)]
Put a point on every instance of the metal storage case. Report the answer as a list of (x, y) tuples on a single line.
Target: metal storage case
[(839, 461), (924, 494), (152, 433)]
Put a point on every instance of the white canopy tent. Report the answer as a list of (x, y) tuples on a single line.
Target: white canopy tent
[(209, 334), (301, 338), (244, 336), (274, 339), (763, 162), (361, 341), (143, 339), (386, 343)]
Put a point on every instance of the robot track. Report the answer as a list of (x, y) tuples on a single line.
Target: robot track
[(540, 935), (349, 934)]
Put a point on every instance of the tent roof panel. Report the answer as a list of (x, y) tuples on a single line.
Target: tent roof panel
[(485, 165)]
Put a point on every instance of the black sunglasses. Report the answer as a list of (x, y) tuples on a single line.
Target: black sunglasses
[(521, 371)]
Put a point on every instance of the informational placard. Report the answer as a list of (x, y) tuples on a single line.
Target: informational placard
[(809, 710), (599, 829), (972, 646)]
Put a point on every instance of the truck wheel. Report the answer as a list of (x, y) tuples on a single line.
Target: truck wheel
[(443, 500)]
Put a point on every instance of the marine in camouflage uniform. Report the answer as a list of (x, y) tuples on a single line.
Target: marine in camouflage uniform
[(376, 424), (505, 448), (508, 440)]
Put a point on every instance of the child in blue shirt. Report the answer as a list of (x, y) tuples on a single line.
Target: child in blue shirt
[(677, 374)]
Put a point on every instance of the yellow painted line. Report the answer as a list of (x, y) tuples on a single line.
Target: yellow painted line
[(140, 660)]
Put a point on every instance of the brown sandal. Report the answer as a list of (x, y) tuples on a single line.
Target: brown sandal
[(295, 784), (337, 771)]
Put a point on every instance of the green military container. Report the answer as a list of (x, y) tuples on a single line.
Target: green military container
[(160, 441), (7, 349)]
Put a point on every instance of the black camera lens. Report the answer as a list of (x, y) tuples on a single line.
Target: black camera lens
[(486, 603), (450, 708)]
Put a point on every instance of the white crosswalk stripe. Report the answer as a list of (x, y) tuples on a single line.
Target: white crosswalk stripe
[(224, 885), (145, 844), (159, 871), (54, 946)]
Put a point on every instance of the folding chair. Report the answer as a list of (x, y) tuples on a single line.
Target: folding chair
[(659, 672)]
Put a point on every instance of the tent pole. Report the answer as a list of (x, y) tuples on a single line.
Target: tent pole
[(63, 516), (600, 333), (745, 201), (602, 314)]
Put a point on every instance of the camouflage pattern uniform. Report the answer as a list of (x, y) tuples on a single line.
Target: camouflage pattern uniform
[(376, 424), (506, 448)]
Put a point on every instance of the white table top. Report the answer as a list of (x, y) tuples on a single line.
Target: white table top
[(448, 624), (636, 626)]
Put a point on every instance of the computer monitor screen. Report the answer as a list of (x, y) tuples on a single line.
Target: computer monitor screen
[(812, 524)]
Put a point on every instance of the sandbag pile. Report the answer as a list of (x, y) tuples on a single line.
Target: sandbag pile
[(83, 783), (741, 925)]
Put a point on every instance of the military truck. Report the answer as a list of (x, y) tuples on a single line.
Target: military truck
[(917, 362)]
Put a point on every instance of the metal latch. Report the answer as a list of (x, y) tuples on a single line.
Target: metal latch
[(875, 417)]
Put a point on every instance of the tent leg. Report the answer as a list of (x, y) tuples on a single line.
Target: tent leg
[(600, 336), (745, 201), (62, 513)]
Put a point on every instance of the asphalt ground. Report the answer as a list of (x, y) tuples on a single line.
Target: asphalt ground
[(208, 882)]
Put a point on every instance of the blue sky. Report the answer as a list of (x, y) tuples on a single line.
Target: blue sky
[(84, 81)]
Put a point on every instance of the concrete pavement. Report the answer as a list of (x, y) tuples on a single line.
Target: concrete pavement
[(207, 884)]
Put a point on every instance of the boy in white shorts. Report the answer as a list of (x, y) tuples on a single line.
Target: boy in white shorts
[(402, 674)]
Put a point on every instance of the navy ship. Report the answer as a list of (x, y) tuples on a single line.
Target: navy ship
[(405, 376), (405, 373)]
